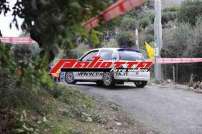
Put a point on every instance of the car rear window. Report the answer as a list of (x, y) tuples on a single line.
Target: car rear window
[(130, 55)]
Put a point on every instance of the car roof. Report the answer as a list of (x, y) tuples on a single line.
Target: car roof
[(118, 49)]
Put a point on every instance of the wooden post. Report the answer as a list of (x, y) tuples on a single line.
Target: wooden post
[(174, 74)]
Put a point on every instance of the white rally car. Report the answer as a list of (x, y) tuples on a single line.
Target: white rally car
[(110, 78)]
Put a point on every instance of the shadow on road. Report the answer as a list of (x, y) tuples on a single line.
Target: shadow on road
[(117, 87)]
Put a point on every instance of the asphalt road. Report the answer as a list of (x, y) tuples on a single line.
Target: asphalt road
[(166, 109)]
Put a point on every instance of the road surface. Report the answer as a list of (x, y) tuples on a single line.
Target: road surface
[(165, 109)]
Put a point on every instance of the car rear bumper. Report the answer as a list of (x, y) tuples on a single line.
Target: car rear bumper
[(133, 76)]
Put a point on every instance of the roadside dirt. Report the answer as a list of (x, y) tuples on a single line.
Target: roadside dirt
[(167, 109), (116, 121)]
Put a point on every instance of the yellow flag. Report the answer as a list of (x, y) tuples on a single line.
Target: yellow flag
[(150, 50)]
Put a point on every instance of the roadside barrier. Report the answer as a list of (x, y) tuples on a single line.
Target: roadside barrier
[(177, 60), (17, 40)]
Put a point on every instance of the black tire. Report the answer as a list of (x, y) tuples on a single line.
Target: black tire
[(140, 84), (69, 78), (120, 82), (108, 79), (99, 83)]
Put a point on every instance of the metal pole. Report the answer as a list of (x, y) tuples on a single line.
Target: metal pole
[(158, 39)]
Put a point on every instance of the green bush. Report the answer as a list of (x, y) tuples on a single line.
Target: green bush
[(190, 11), (183, 41), (168, 16), (128, 23), (144, 22), (126, 40), (22, 77)]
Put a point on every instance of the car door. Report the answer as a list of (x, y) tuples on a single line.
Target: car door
[(87, 75)]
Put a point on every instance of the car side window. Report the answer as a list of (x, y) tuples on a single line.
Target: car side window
[(106, 54), (89, 56), (130, 55)]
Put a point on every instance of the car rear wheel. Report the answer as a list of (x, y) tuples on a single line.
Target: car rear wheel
[(108, 79), (69, 78), (141, 84)]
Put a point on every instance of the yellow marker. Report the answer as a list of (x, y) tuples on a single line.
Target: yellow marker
[(150, 50)]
